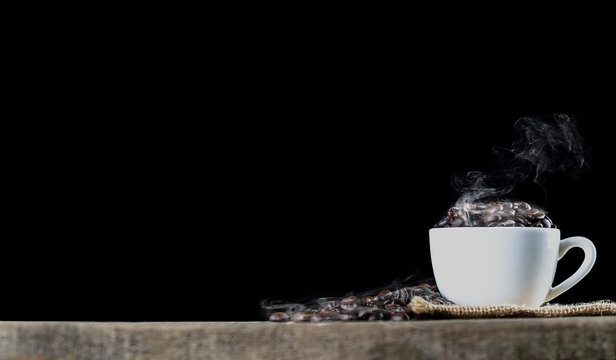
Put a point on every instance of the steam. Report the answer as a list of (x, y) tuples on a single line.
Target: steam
[(269, 306), (540, 147)]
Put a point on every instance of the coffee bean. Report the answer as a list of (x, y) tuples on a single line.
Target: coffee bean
[(443, 222), (376, 315), (521, 205), (405, 309), (349, 303), (457, 222), (481, 206), (476, 212), (388, 305), (301, 316), (399, 316), (346, 317), (539, 215), (363, 314), (377, 304), (495, 208), (440, 300), (508, 213), (317, 318), (402, 295), (537, 224), (452, 211), (400, 302), (279, 317), (492, 218), (507, 223), (384, 295), (396, 294), (520, 219), (368, 300)]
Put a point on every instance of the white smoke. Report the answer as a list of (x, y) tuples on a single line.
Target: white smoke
[(541, 147)]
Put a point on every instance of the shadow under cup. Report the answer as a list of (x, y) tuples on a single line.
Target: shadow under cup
[(503, 265)]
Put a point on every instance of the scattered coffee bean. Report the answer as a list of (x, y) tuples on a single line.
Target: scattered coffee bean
[(384, 295), (346, 317), (317, 318), (301, 316), (399, 316), (368, 300), (363, 314), (326, 311), (376, 315), (278, 317), (331, 305), (388, 304), (404, 294), (349, 303)]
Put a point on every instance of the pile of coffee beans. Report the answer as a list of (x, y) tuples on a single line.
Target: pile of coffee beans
[(496, 213), (386, 305)]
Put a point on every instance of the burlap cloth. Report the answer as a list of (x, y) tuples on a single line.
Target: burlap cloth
[(420, 306)]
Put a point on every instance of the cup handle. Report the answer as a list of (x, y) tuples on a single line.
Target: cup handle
[(590, 254)]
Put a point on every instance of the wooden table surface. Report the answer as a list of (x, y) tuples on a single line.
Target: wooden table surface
[(555, 338)]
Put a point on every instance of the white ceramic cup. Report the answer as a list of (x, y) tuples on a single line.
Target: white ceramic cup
[(503, 265)]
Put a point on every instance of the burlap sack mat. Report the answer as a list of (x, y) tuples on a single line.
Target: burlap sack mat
[(420, 306)]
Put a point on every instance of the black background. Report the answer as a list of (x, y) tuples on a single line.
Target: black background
[(284, 177)]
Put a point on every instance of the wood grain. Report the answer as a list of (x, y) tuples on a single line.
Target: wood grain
[(554, 338)]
